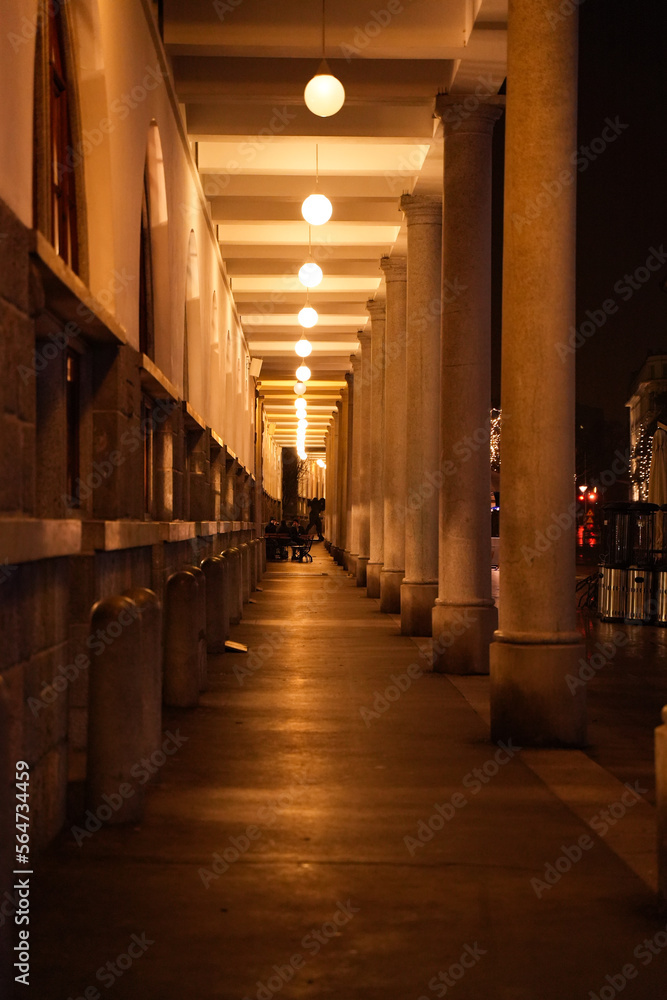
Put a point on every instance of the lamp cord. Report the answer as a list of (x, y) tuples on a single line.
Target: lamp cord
[(323, 37)]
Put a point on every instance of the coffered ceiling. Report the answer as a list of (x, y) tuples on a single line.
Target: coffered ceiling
[(240, 67)]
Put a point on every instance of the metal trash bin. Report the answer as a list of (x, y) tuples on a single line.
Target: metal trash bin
[(638, 603), (660, 593), (612, 589), (660, 572), (625, 590)]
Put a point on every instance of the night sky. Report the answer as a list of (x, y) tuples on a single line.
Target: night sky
[(622, 197)]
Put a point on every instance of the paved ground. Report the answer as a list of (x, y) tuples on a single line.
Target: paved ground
[(307, 775)]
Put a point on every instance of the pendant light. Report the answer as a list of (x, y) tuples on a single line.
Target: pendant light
[(310, 273), (324, 94), (303, 373), (308, 316), (303, 347), (317, 209)]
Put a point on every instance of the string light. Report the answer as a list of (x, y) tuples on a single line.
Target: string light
[(494, 438)]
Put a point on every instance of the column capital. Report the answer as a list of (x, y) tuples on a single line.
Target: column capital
[(419, 208), (395, 268), (467, 114), (356, 363), (364, 338), (376, 309)]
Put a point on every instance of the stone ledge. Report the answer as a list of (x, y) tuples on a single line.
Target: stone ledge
[(27, 539), (68, 296), (156, 381), (178, 531), (207, 527), (108, 536)]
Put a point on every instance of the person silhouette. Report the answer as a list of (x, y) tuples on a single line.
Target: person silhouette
[(316, 507)]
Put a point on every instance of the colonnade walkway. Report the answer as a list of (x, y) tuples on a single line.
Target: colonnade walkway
[(281, 853)]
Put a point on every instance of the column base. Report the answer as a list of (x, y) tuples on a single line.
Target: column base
[(417, 600), (373, 579), (351, 566), (362, 563), (531, 702), (462, 635), (346, 559), (390, 590)]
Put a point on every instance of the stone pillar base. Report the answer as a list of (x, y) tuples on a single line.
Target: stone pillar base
[(373, 579), (346, 559), (390, 590), (362, 563), (461, 638), (531, 702), (417, 600), (351, 565), (661, 806)]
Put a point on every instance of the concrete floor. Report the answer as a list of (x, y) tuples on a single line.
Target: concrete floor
[(279, 754)]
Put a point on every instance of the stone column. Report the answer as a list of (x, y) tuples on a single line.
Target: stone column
[(661, 805), (395, 435), (537, 646), (353, 496), (331, 478), (347, 560), (364, 459), (119, 687), (420, 586), (465, 617), (343, 409), (378, 314)]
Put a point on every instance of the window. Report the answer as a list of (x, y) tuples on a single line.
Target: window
[(148, 427), (59, 220), (146, 327), (73, 411)]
